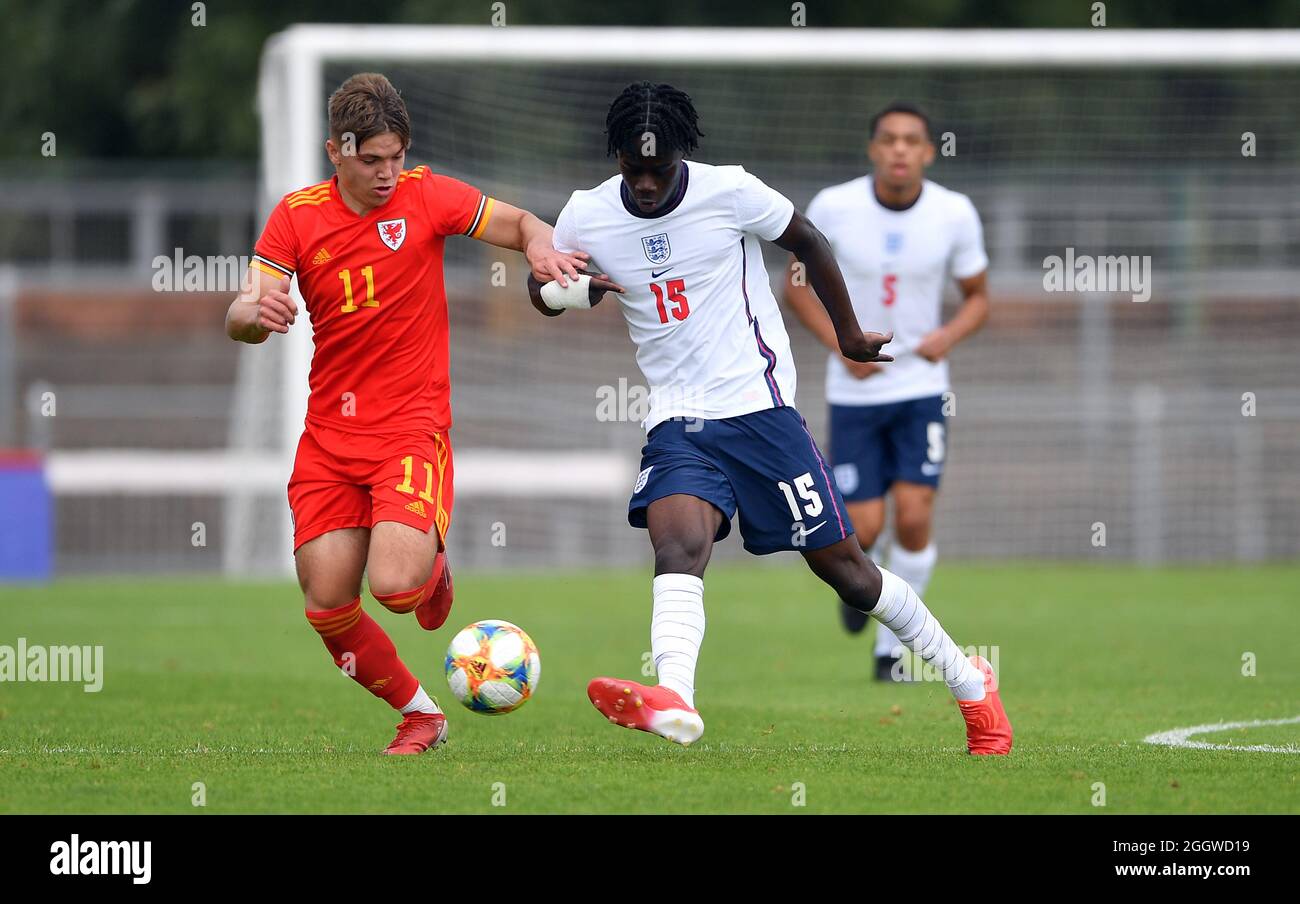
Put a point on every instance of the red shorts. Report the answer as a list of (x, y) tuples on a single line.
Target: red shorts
[(357, 480)]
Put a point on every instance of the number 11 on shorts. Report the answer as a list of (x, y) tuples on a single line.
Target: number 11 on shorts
[(407, 487)]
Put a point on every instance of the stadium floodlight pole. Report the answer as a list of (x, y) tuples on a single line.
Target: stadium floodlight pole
[(291, 101)]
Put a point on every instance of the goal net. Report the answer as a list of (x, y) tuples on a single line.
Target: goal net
[(1087, 425)]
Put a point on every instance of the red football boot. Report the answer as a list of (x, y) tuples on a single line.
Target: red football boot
[(418, 732), (656, 709), (988, 730), (434, 611)]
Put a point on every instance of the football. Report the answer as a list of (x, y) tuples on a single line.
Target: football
[(493, 667)]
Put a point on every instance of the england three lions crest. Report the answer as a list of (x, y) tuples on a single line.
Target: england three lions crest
[(656, 247), (393, 232)]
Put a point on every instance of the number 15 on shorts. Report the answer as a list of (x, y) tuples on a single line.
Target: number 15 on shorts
[(811, 499)]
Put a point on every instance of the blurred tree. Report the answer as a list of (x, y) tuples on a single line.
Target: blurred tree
[(136, 79)]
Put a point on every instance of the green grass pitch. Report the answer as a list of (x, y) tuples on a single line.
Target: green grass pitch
[(226, 685)]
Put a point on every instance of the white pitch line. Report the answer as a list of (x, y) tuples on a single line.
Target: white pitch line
[(1179, 737)]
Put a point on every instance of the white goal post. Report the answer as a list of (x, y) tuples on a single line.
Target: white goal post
[(290, 102)]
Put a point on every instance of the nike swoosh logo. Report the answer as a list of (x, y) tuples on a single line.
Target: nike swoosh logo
[(804, 532), (654, 275)]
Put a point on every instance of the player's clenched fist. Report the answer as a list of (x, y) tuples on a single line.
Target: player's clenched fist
[(276, 311), (253, 317)]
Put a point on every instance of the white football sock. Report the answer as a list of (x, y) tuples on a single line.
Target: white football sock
[(878, 549), (676, 631), (420, 703), (901, 610), (887, 643), (915, 568)]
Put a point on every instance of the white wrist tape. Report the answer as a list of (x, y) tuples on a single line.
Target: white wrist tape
[(558, 298)]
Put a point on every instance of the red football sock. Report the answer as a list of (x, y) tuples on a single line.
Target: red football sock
[(408, 600), (362, 649)]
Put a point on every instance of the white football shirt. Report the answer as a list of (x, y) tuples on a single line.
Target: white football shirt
[(708, 332), (896, 264)]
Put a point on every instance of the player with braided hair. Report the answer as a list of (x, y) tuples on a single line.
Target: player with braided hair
[(723, 435)]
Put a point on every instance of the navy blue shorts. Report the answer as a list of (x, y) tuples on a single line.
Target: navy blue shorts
[(874, 445), (765, 464)]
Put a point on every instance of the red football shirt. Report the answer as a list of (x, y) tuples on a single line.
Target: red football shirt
[(374, 290)]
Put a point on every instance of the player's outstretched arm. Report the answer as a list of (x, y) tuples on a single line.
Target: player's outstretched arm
[(511, 227), (802, 300), (263, 307), (802, 239)]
